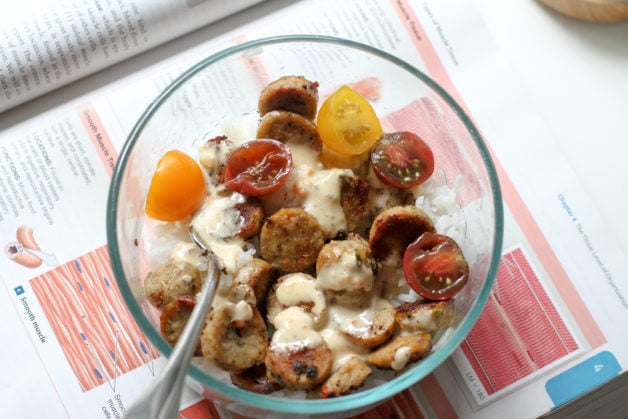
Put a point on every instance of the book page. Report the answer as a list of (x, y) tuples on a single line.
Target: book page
[(47, 44), (557, 311)]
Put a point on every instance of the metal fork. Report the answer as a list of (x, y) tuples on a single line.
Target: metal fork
[(161, 400)]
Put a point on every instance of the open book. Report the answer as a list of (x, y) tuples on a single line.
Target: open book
[(47, 44), (555, 323)]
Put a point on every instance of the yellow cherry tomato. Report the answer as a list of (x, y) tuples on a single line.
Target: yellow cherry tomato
[(177, 188), (347, 123)]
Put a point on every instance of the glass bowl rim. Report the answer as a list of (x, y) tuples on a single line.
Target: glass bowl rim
[(352, 401)]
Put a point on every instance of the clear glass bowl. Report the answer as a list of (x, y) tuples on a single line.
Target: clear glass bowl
[(225, 86)]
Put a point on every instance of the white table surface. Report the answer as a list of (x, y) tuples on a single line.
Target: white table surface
[(576, 75)]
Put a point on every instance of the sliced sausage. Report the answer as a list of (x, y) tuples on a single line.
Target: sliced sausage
[(290, 93), (302, 369), (232, 342), (381, 199), (296, 290), (289, 128), (291, 239), (354, 200), (298, 357), (401, 351), (425, 316), (255, 379), (213, 156), (350, 376), (394, 229), (344, 269), (251, 282), (173, 319), (173, 280), (377, 329), (251, 217)]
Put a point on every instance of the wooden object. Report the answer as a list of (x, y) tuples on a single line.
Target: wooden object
[(591, 10)]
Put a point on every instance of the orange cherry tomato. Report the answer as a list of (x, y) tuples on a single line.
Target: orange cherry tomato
[(177, 188), (347, 123)]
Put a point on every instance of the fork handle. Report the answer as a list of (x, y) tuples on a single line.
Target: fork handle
[(161, 400)]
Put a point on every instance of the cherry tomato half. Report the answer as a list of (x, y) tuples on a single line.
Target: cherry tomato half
[(177, 188), (435, 267), (258, 167), (347, 123), (402, 160)]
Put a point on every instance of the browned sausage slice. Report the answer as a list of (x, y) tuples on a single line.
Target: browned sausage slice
[(251, 282), (354, 200), (173, 319), (344, 269), (232, 342), (394, 229), (350, 376), (290, 93), (400, 351), (426, 317), (291, 239), (254, 379), (289, 128), (378, 326), (298, 357), (303, 369), (173, 280), (296, 290), (251, 217)]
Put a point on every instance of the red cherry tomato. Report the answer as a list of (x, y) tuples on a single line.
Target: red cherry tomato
[(435, 267), (402, 160), (258, 167)]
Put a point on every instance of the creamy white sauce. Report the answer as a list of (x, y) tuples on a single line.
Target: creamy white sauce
[(323, 200), (217, 222), (347, 273), (401, 358), (342, 349), (355, 321), (294, 331), (243, 292), (424, 320), (189, 253), (214, 155), (314, 188), (240, 311), (298, 289), (305, 156), (304, 164)]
